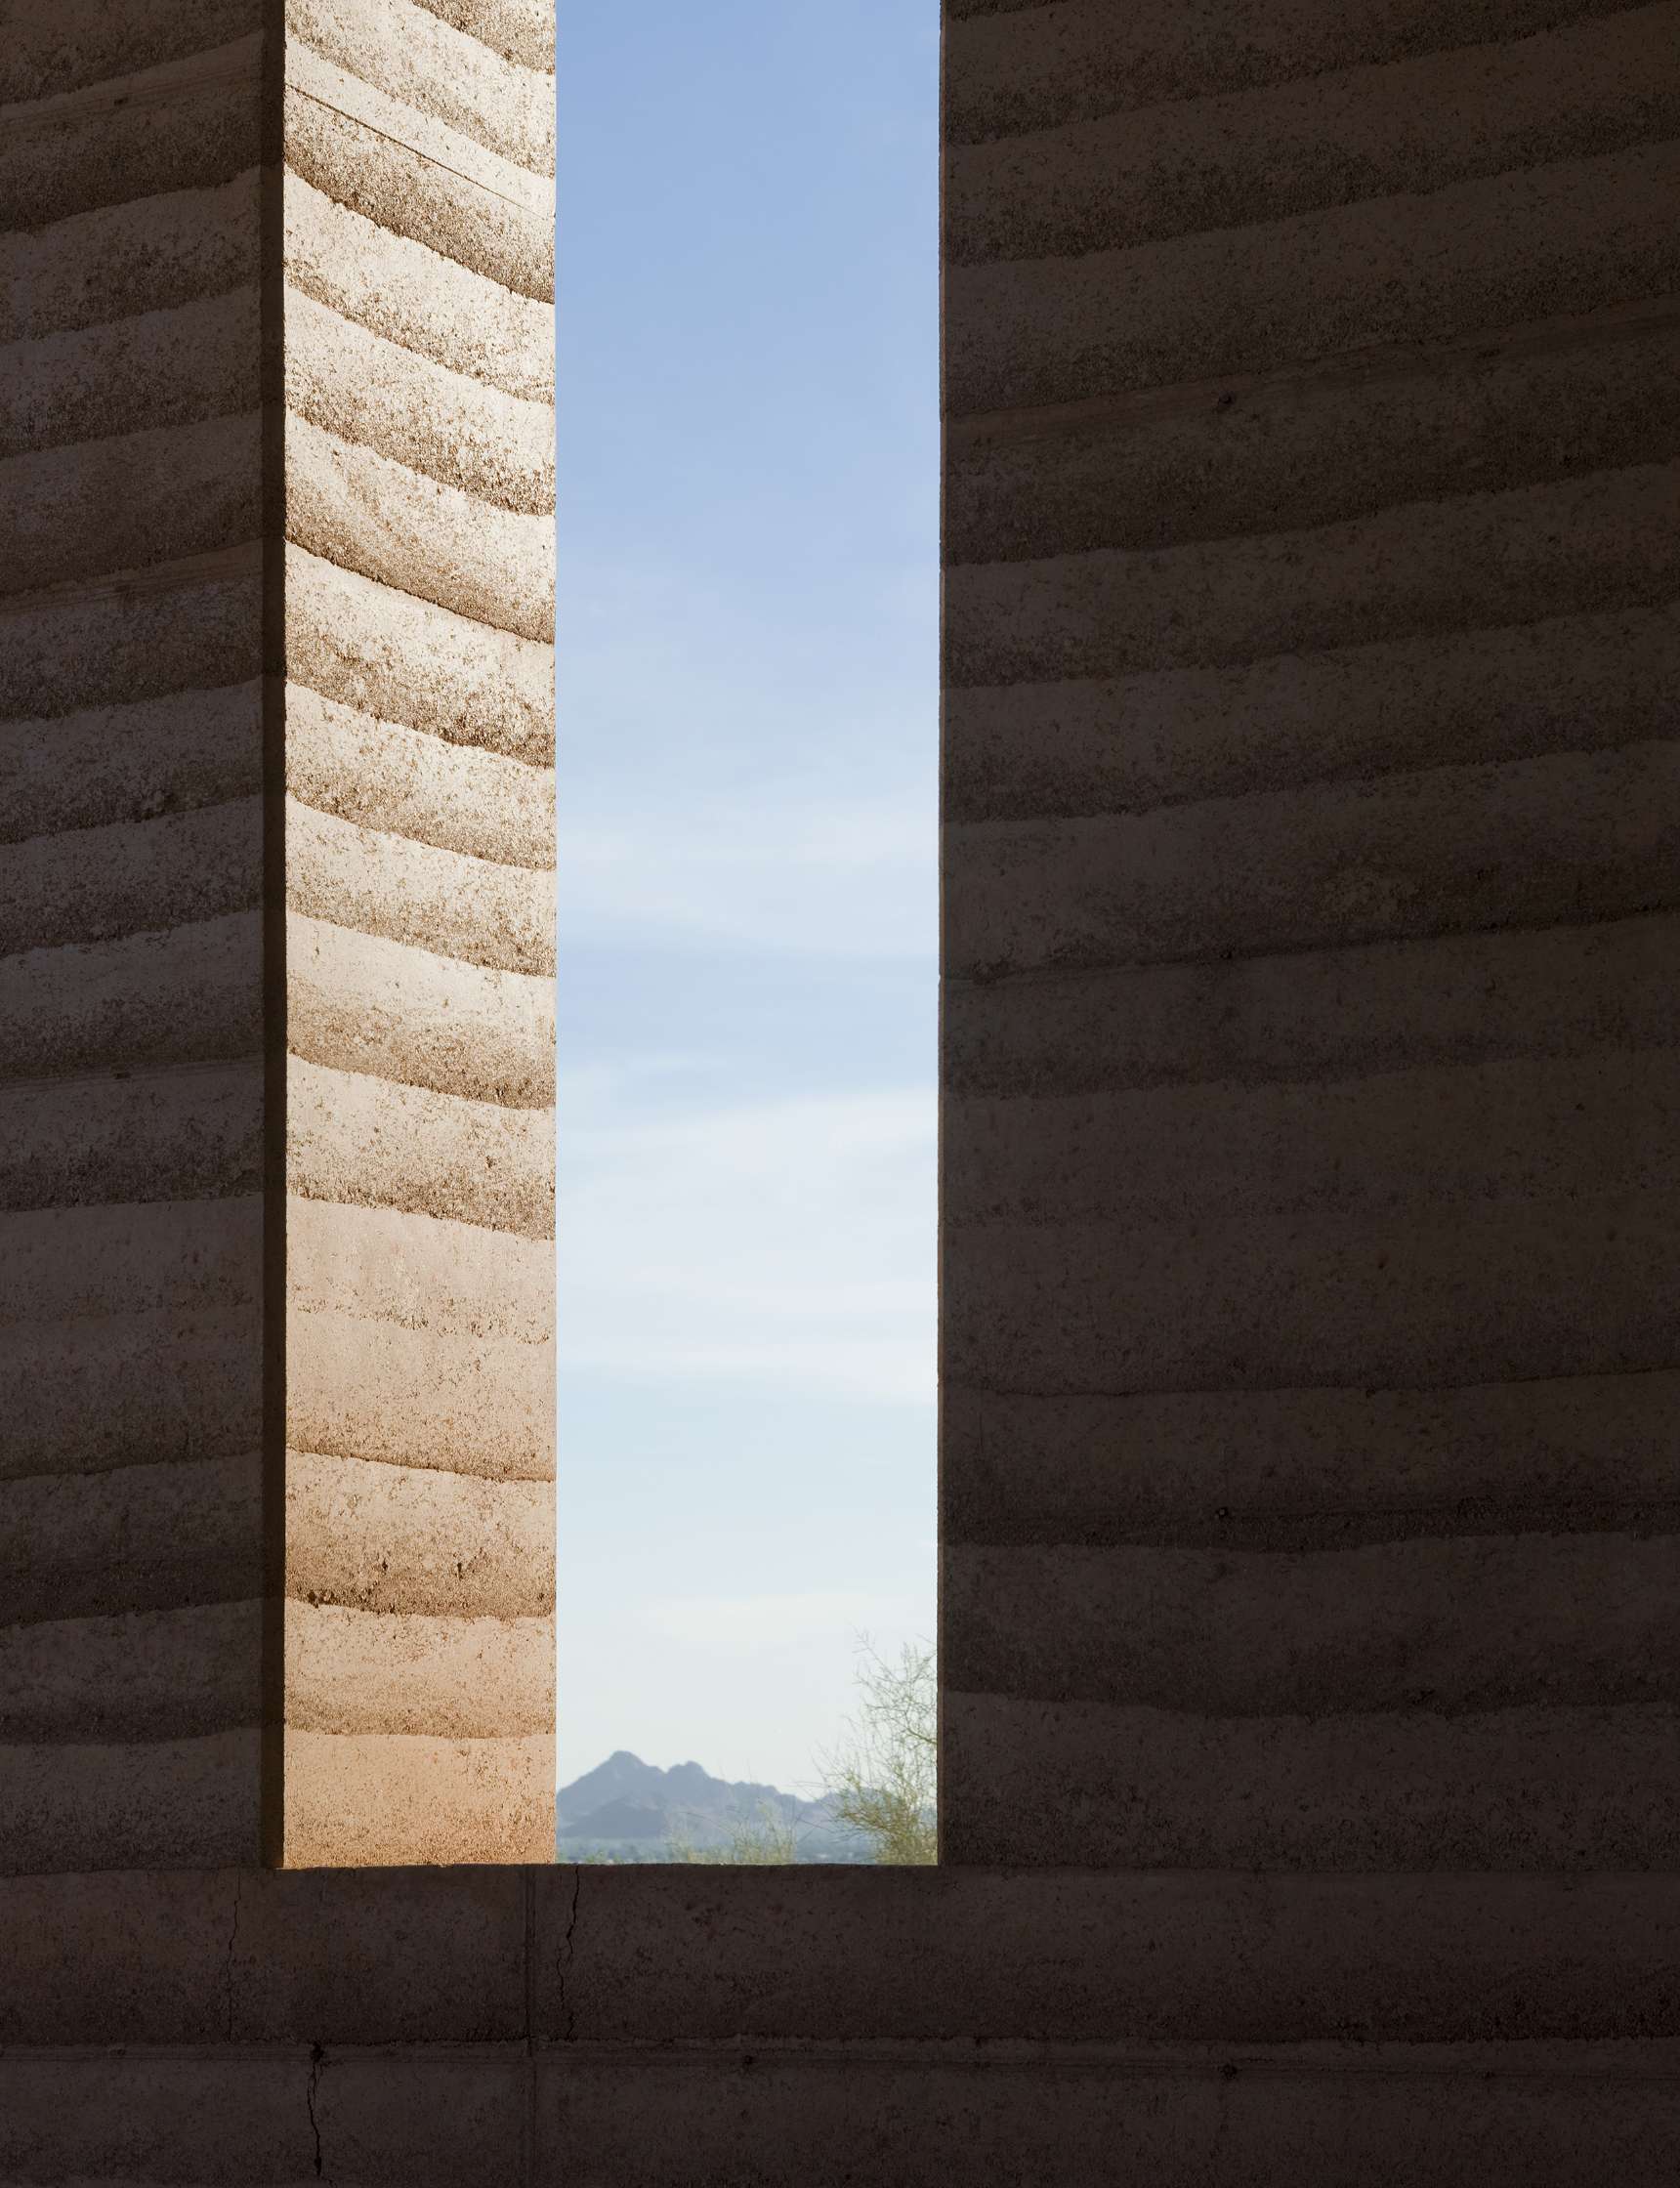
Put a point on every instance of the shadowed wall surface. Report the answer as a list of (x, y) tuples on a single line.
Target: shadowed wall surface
[(679, 2027), (135, 1111), (276, 924), (1311, 651), (1309, 1650)]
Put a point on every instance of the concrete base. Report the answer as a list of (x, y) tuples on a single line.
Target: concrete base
[(826, 2027)]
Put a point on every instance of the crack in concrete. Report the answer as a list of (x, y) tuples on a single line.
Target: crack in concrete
[(318, 2060), (532, 2138), (227, 1967), (567, 2017)]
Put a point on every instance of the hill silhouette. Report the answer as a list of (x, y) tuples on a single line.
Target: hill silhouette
[(632, 1809)]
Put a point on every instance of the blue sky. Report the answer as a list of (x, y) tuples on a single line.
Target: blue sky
[(748, 693)]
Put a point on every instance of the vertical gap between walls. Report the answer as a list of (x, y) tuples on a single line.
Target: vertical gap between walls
[(272, 395)]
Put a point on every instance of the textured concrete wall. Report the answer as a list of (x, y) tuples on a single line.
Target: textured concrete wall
[(841, 2028), (1311, 864), (1308, 1484), (276, 933), (419, 856), (132, 1085)]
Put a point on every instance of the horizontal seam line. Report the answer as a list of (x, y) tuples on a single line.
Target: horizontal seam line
[(1052, 2056), (431, 1330), (421, 843), (425, 1086), (956, 815), (438, 956), (479, 623), (332, 429), (1369, 64), (1482, 1508), (1655, 1706), (387, 721), (478, 495), (959, 1097), (1589, 13), (1237, 1535), (100, 100), (389, 1732), (422, 600), (107, 938), (301, 173), (1416, 513), (1068, 262), (1335, 368), (190, 805), (140, 1740), (1057, 245), (414, 1466), (403, 349), (297, 1189), (295, 279), (247, 1601), (248, 1455), (176, 814), (374, 129), (290, 412), (359, 1611), (249, 686), (1416, 769), (410, 106), (369, 828), (1246, 1391), (123, 1074), (48, 1739), (403, 1466), (513, 59), (1031, 974), (1636, 596), (69, 1576), (478, 1100), (239, 562)]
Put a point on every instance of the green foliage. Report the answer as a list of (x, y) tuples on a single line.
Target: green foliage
[(883, 1780), (882, 1783), (766, 1840)]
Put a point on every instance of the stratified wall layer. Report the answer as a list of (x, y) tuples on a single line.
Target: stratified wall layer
[(1312, 864), (419, 1167), (132, 1104), (276, 934), (838, 2027)]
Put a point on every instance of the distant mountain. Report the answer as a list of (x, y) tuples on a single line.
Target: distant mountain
[(631, 1809)]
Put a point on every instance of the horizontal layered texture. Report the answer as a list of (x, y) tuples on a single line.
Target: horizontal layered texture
[(1313, 824), (238, 401), (839, 2026), (419, 496), (132, 1093), (1015, 70), (1184, 167), (82, 44), (178, 125), (1577, 236)]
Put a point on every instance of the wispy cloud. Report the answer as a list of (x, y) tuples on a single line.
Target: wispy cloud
[(780, 1242), (753, 1686), (824, 877), (752, 1625)]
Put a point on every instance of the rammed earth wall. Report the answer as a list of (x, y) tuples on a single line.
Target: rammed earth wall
[(276, 935), (1312, 862), (1309, 1503)]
